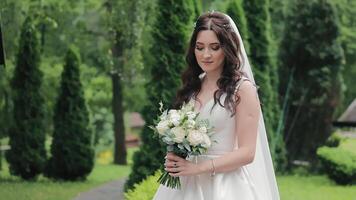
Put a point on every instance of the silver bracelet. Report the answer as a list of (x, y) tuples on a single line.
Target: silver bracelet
[(213, 172)]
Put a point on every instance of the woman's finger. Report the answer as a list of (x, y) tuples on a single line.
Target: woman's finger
[(170, 153), (172, 164), (176, 174), (174, 158), (173, 169), (169, 164)]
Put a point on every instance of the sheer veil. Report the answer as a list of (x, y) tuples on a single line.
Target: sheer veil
[(261, 169)]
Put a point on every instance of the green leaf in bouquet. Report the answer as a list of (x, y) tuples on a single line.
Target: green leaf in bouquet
[(196, 116), (152, 127), (163, 116), (180, 146), (167, 140), (203, 123), (170, 148), (161, 106), (187, 146)]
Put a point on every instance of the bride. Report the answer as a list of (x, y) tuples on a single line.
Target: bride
[(219, 81)]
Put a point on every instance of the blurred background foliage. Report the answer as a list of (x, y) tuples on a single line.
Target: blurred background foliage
[(92, 26)]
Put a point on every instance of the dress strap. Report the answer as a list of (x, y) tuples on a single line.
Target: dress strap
[(239, 83)]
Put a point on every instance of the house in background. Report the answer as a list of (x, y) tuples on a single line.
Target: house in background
[(136, 124), (348, 120)]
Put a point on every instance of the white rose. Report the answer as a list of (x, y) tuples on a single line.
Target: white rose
[(191, 115), (203, 129), (174, 117), (162, 126), (195, 137), (179, 134), (172, 111), (207, 141)]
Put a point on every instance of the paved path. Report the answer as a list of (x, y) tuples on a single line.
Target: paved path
[(109, 191)]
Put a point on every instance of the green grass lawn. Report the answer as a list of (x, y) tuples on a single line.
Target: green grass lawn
[(13, 188), (317, 187), (313, 188), (291, 187)]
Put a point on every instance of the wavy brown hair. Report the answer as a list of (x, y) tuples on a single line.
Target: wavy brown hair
[(231, 74)]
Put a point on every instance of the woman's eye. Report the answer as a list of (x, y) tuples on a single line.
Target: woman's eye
[(215, 48), (199, 48)]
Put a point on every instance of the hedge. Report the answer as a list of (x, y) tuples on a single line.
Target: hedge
[(339, 164)]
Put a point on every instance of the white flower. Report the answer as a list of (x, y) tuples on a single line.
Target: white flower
[(172, 111), (162, 126), (179, 134), (190, 123), (195, 137), (203, 129), (174, 117), (191, 115), (207, 141)]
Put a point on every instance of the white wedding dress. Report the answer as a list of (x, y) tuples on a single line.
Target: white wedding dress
[(255, 181), (234, 185)]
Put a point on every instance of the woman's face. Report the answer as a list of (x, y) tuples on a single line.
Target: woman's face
[(208, 52)]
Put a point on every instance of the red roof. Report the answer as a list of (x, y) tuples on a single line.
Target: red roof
[(136, 120)]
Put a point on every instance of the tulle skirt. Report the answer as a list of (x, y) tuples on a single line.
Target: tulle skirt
[(234, 185)]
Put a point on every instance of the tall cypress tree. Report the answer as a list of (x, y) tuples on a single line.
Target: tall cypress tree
[(170, 41), (27, 155), (198, 8), (313, 51), (266, 74), (236, 12), (72, 153)]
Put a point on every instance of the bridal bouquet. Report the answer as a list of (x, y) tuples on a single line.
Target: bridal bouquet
[(184, 134)]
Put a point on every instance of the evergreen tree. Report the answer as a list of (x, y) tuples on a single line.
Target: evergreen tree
[(236, 12), (198, 9), (313, 54), (72, 153), (27, 155), (170, 39), (346, 10), (266, 74)]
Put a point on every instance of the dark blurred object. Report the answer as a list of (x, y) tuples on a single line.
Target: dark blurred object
[(2, 51)]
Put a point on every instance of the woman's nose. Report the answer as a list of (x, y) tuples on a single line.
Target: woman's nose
[(207, 54)]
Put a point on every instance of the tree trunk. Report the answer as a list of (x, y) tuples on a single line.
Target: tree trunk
[(119, 129)]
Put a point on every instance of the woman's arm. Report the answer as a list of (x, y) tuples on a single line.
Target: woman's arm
[(247, 117)]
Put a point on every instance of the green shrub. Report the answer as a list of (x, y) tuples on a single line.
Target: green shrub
[(339, 164), (27, 155), (174, 20), (71, 150), (144, 190), (311, 59), (334, 140)]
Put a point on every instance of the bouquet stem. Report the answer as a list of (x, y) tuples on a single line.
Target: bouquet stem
[(169, 181), (165, 178)]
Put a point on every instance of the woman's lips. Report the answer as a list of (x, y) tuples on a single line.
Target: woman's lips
[(207, 62)]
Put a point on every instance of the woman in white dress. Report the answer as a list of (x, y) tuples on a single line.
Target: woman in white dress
[(220, 83)]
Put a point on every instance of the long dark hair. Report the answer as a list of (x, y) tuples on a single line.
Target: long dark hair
[(231, 74)]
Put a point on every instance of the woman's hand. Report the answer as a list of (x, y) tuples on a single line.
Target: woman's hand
[(177, 166)]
